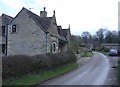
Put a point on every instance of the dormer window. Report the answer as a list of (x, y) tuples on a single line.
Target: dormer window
[(13, 28)]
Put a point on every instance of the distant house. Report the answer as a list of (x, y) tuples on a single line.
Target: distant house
[(31, 34), (111, 45), (4, 22)]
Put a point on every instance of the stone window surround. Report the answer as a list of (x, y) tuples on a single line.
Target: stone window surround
[(54, 47), (13, 28)]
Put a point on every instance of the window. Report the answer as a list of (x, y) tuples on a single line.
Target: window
[(13, 28), (3, 48), (3, 30), (54, 47)]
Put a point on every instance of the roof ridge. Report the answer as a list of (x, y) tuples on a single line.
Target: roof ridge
[(7, 15)]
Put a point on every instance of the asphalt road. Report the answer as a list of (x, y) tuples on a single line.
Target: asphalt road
[(112, 75), (100, 70)]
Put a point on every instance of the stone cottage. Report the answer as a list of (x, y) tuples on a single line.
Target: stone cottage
[(4, 22), (31, 34)]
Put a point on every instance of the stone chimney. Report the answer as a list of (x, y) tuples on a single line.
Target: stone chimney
[(43, 13)]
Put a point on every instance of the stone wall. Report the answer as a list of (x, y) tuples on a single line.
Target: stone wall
[(53, 30), (53, 36), (0, 44), (29, 38), (0, 26), (0, 35), (4, 21)]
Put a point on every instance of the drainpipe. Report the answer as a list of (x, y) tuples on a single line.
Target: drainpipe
[(46, 40)]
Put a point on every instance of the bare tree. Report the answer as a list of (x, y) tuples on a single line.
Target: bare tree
[(86, 37), (101, 35)]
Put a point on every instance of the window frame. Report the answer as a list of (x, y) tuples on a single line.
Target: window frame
[(13, 30), (54, 47)]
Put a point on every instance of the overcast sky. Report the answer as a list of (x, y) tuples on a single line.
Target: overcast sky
[(82, 15)]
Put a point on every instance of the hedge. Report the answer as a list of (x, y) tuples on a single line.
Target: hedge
[(119, 72), (19, 65)]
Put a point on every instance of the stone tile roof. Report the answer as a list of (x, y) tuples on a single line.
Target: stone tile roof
[(43, 22), (6, 18), (62, 33)]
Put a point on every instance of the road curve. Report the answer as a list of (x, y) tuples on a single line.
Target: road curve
[(93, 73)]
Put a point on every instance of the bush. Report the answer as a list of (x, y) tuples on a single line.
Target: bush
[(86, 54), (118, 52), (19, 65), (106, 49)]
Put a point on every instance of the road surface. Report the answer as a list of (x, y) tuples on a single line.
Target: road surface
[(98, 71)]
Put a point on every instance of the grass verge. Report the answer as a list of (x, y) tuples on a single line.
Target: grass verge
[(86, 54), (105, 53), (119, 72), (38, 78)]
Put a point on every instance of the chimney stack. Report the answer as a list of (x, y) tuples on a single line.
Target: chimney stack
[(43, 13)]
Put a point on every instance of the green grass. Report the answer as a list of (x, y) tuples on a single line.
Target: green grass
[(105, 53), (37, 78), (86, 54), (119, 72)]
